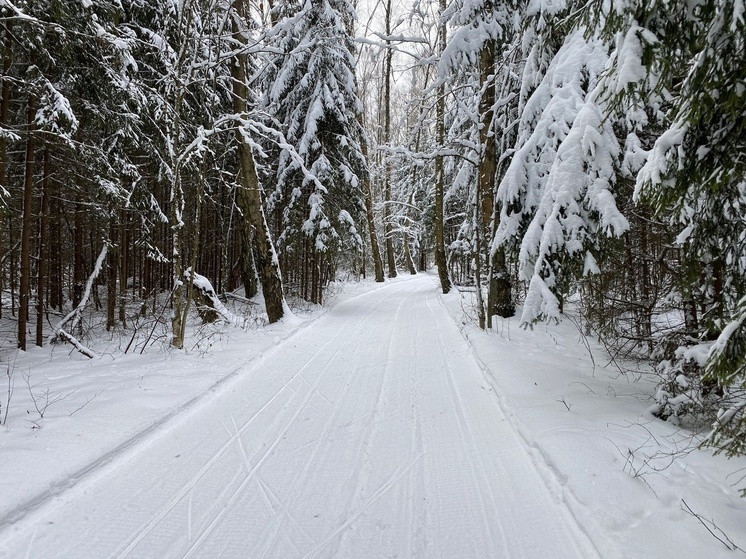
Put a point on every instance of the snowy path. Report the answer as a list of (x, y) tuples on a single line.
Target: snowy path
[(371, 433)]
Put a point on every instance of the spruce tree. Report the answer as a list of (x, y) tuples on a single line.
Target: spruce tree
[(318, 197)]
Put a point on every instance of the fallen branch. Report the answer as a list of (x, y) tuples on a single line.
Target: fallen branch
[(76, 314), (65, 337), (241, 299), (727, 542), (208, 303)]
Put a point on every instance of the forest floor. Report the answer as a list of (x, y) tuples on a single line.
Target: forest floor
[(385, 425)]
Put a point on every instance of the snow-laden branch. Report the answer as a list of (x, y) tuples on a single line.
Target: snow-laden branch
[(205, 288), (75, 315)]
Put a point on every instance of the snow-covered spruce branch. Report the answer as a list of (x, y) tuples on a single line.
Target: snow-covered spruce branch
[(18, 15), (233, 122), (279, 139)]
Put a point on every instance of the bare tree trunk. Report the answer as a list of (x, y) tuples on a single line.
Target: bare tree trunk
[(499, 289), (28, 194), (78, 259), (391, 260), (111, 278), (440, 251), (374, 248), (246, 258), (195, 247), (250, 195), (478, 259), (177, 206), (370, 218), (42, 264), (407, 250), (123, 272), (4, 106), (56, 289)]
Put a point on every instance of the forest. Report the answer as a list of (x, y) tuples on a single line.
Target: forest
[(559, 158)]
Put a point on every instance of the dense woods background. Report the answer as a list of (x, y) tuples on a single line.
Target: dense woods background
[(554, 154)]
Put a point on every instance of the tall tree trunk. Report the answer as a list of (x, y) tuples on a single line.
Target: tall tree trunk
[(422, 261), (249, 196), (111, 277), (123, 272), (28, 196), (370, 218), (177, 258), (78, 257), (56, 285), (478, 225), (440, 250), (4, 106), (499, 289), (405, 239), (196, 231), (391, 260), (246, 258), (42, 264)]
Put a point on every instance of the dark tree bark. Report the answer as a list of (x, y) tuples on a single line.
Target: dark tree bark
[(405, 238), (246, 258), (499, 290), (4, 106), (388, 234), (440, 250), (123, 271), (374, 248), (111, 278), (78, 256), (42, 264), (56, 289), (249, 197), (28, 196)]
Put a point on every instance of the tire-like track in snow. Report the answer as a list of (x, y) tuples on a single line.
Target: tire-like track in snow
[(372, 433)]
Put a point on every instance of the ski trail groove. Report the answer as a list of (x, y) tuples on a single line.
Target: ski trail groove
[(480, 478), (192, 482), (383, 489), (313, 390)]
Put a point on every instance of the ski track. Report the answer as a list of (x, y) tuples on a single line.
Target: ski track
[(369, 433)]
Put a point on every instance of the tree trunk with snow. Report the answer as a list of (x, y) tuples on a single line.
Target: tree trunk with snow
[(4, 109), (370, 218), (499, 291), (249, 196), (28, 197), (390, 257), (440, 251), (42, 254)]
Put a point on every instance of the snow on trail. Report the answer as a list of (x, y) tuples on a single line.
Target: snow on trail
[(371, 433)]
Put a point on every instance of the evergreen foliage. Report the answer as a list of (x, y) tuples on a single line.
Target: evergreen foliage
[(312, 94)]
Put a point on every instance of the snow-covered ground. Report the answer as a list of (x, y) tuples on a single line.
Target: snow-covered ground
[(373, 429)]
